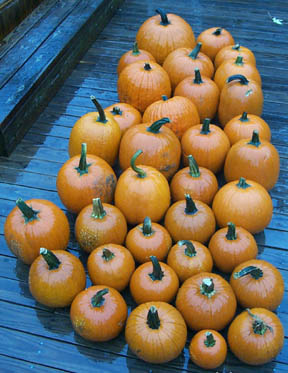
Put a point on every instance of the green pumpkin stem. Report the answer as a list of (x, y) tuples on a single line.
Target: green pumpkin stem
[(236, 47), (135, 50), (242, 183), (205, 127), (107, 254), (217, 32), (164, 98), (244, 117), (259, 326), (195, 51), (116, 111), (255, 139), (50, 258), (83, 166), (147, 66), (102, 116), (198, 77), (231, 232), (242, 79), (189, 249), (157, 273), (139, 171), (98, 211), (98, 299), (147, 227), (207, 287), (155, 127), (163, 15), (153, 320), (190, 208), (193, 167), (28, 213), (239, 61), (210, 340), (255, 272)]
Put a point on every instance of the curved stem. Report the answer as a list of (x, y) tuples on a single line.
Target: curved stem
[(163, 15), (50, 258), (116, 111), (28, 213), (255, 272), (153, 320), (190, 208), (217, 32), (231, 232), (157, 273), (242, 183), (139, 171), (107, 254), (198, 77), (102, 116), (193, 167), (207, 287), (244, 117), (239, 61), (209, 341), (147, 227), (205, 127), (189, 249), (147, 66), (236, 47), (83, 166), (98, 299), (242, 79), (259, 326), (155, 127), (98, 211), (164, 98), (195, 51), (135, 50), (255, 139)]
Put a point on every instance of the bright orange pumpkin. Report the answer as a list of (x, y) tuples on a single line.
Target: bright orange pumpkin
[(125, 115), (232, 51)]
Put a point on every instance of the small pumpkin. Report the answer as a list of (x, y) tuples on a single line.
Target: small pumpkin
[(209, 145), (232, 246), (56, 277), (257, 283), (125, 115), (232, 51), (150, 329), (99, 224), (206, 301), (239, 94), (98, 313), (199, 182), (142, 83), (180, 110), (182, 62), (242, 126), (142, 191), (100, 131), (33, 224), (188, 258), (213, 40), (163, 33), (190, 220), (208, 349), (148, 239), (246, 203), (132, 56), (253, 159), (161, 147), (202, 91), (251, 332), (154, 281), (111, 265)]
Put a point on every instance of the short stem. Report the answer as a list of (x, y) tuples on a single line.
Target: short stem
[(205, 127), (244, 117), (164, 18), (190, 208), (198, 77), (255, 272), (157, 273), (259, 326), (164, 98), (98, 211), (116, 111), (102, 116), (242, 183), (50, 258), (236, 47), (155, 127), (28, 213), (139, 171), (83, 166), (231, 233), (209, 341), (207, 287), (255, 139), (135, 50), (242, 79), (195, 51), (147, 66), (218, 31), (193, 167), (107, 254), (189, 249), (239, 61), (98, 299), (153, 320), (147, 227)]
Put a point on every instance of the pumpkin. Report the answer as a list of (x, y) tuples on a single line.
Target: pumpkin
[(56, 277), (163, 33), (242, 126), (98, 313), (209, 145), (125, 115), (213, 40), (154, 281), (232, 51), (232, 246), (257, 283), (190, 220), (236, 66), (82, 178), (33, 224), (142, 83), (199, 182), (246, 203), (100, 131), (239, 94), (202, 91), (206, 301), (148, 239), (99, 224), (182, 62), (142, 191), (161, 147), (253, 159), (111, 265), (188, 258), (132, 56), (180, 110), (208, 349), (250, 334), (150, 329)]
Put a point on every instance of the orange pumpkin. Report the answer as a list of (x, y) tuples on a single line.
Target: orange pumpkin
[(190, 220), (232, 51), (148, 239), (142, 192), (161, 147), (100, 131), (154, 281), (242, 126), (180, 110), (163, 33), (206, 301), (251, 332), (257, 283), (188, 258), (33, 224), (202, 91), (253, 159), (111, 265), (231, 246), (246, 203), (142, 83), (199, 182), (98, 313), (56, 277), (125, 115), (99, 224)]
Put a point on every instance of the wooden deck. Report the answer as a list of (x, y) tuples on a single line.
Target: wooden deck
[(35, 338)]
